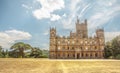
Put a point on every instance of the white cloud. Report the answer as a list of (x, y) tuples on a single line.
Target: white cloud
[(110, 35), (55, 17), (41, 13), (10, 36), (47, 8)]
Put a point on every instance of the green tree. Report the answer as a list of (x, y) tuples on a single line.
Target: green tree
[(108, 50), (116, 46), (36, 53), (7, 54), (1, 54), (21, 47), (112, 48)]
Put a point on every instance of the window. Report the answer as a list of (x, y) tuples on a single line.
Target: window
[(95, 42), (68, 48), (58, 42), (86, 48), (86, 42), (58, 48), (91, 42), (73, 42), (81, 42), (102, 48), (68, 42)]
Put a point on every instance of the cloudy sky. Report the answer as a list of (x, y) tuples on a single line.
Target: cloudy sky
[(30, 20)]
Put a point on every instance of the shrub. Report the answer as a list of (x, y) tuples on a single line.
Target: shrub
[(118, 56)]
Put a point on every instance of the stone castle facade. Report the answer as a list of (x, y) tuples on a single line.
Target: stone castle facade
[(78, 45)]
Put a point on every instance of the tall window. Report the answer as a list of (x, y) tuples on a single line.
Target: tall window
[(68, 48), (58, 42)]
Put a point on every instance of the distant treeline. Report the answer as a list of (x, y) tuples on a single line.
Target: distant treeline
[(23, 50)]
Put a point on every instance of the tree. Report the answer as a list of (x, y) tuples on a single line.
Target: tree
[(112, 48), (14, 53), (1, 54), (116, 46), (21, 47), (36, 53), (108, 50)]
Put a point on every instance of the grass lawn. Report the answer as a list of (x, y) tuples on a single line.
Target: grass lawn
[(58, 66)]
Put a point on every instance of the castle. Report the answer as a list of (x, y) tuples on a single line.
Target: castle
[(78, 45)]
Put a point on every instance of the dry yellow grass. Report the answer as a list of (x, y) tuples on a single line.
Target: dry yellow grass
[(58, 66)]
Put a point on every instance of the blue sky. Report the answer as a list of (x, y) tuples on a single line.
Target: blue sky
[(30, 20)]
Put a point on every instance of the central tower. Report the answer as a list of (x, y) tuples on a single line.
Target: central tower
[(81, 29)]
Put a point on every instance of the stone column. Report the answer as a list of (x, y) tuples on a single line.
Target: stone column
[(88, 54), (75, 55), (84, 55), (93, 54)]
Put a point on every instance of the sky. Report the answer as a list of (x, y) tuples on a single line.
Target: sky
[(29, 21)]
